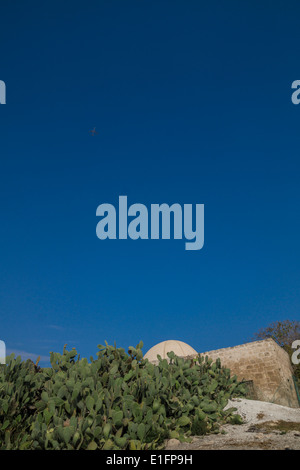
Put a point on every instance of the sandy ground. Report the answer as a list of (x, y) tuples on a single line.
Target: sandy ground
[(266, 427)]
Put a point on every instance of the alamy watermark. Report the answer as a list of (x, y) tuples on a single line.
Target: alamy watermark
[(2, 352), (296, 354), (2, 92), (296, 94), (159, 221)]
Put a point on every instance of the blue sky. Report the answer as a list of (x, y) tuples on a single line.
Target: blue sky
[(192, 104)]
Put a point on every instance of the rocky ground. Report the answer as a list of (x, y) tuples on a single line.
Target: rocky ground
[(266, 427)]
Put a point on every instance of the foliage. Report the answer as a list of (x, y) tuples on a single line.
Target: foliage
[(117, 401), (283, 332)]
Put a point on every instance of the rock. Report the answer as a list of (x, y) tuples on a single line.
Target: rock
[(172, 443)]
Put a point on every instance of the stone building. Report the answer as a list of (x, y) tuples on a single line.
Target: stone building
[(263, 365)]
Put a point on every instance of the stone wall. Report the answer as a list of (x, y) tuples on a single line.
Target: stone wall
[(266, 364)]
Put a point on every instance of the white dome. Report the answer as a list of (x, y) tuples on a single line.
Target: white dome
[(178, 347)]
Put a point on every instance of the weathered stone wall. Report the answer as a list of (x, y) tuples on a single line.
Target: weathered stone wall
[(266, 364)]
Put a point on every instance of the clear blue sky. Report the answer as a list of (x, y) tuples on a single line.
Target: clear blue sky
[(192, 104)]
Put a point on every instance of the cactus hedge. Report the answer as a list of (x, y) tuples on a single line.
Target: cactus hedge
[(117, 401)]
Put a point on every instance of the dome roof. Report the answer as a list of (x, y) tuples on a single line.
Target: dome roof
[(178, 347)]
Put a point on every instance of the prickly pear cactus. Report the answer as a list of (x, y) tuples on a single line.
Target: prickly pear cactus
[(117, 400)]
